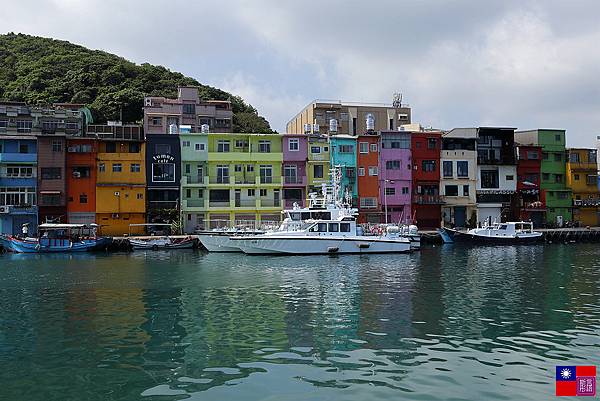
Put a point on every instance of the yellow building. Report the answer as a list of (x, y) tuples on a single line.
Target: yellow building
[(120, 180), (582, 178)]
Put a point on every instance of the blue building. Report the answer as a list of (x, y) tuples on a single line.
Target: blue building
[(18, 182), (343, 154)]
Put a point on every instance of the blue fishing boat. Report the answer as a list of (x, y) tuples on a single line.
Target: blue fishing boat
[(57, 238)]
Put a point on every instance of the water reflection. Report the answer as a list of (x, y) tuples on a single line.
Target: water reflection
[(471, 323)]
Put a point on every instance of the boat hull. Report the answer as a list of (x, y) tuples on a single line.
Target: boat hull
[(449, 236), (161, 244), (218, 243), (320, 245), (45, 245)]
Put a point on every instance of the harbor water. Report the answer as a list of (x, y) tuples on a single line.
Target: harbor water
[(446, 323)]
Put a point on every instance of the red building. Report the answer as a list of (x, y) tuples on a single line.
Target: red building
[(531, 200), (426, 199), (369, 207), (81, 180)]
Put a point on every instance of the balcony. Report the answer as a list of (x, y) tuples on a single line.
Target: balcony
[(428, 199), (219, 204), (193, 203), (220, 180), (318, 157), (245, 203), (245, 180), (193, 179), (270, 203), (18, 157), (295, 180), (122, 132), (506, 159)]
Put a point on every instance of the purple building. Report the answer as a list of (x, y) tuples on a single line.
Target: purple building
[(295, 155), (395, 175)]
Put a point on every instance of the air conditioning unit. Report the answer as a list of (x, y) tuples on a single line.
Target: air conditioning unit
[(117, 193), (115, 215), (148, 102), (76, 174), (4, 209), (578, 202)]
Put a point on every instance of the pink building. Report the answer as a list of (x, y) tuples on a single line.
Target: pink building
[(295, 156), (395, 175)]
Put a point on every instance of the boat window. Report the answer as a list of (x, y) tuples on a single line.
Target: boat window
[(334, 227), (322, 227), (314, 228), (348, 219), (305, 215), (321, 215), (345, 227), (502, 227), (295, 216)]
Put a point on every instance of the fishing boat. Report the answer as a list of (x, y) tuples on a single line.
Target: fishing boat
[(57, 238), (513, 232), (163, 243)]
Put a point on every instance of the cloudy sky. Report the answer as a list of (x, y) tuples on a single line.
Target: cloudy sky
[(523, 63)]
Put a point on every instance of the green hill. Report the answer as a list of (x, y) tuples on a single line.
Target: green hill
[(44, 71)]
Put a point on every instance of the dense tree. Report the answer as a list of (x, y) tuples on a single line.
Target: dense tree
[(44, 71)]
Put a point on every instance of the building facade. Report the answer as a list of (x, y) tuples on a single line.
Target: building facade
[(582, 179), (120, 178), (395, 176), (163, 177), (349, 118), (52, 182), (369, 206), (529, 165), (318, 162), (194, 180), (496, 174), (342, 155), (244, 179), (458, 181), (295, 166), (554, 192), (426, 199), (166, 116), (81, 180)]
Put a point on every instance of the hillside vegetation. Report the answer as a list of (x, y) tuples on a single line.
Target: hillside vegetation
[(44, 71)]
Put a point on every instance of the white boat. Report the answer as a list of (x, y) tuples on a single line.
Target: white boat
[(162, 243), (512, 232), (219, 240)]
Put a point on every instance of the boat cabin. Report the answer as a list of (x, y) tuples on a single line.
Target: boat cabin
[(509, 229)]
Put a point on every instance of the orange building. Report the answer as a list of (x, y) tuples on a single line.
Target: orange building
[(81, 180), (368, 178)]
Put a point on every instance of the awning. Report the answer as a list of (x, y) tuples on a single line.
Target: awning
[(50, 192)]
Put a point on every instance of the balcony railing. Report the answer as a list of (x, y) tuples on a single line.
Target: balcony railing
[(270, 203), (428, 199), (194, 202), (219, 204), (125, 132), (194, 179), (245, 203), (219, 180), (245, 180), (300, 180)]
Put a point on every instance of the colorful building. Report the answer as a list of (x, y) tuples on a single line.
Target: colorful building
[(163, 177), (458, 180), (81, 180), (369, 206), (529, 164), (194, 180), (496, 174), (395, 176), (318, 162), (342, 154), (18, 180), (244, 178), (582, 178), (555, 194), (120, 179), (52, 183), (426, 199), (295, 175)]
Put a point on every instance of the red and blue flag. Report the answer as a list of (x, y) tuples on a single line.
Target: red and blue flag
[(576, 381)]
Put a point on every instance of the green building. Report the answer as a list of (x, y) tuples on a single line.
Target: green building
[(553, 184)]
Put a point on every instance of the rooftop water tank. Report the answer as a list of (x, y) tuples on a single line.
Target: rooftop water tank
[(370, 120)]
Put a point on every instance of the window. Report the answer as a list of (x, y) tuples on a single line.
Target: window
[(576, 177), (110, 147), (237, 168), (465, 190), (363, 147), (241, 143), (368, 203), (188, 168), (557, 137), (402, 142), (545, 176), (185, 144), (57, 146), (562, 195), (431, 143), (189, 108), (200, 147), (290, 174), (134, 147), (83, 198), (451, 190), (346, 148), (294, 144), (373, 171), (591, 180), (156, 120), (592, 156), (266, 174), (350, 172), (251, 192), (373, 147), (222, 146), (390, 191), (162, 149), (574, 157), (447, 167), (163, 172), (318, 171), (264, 146), (345, 227), (392, 165), (334, 227), (101, 167), (250, 168), (545, 155), (140, 196), (404, 190), (558, 157), (17, 196), (117, 167), (3, 125), (315, 149), (263, 192), (19, 171), (489, 179), (533, 155), (81, 172), (51, 173), (462, 168), (23, 147), (361, 171), (558, 178), (24, 126), (50, 199), (510, 178), (222, 174), (428, 165), (188, 193), (135, 168)]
